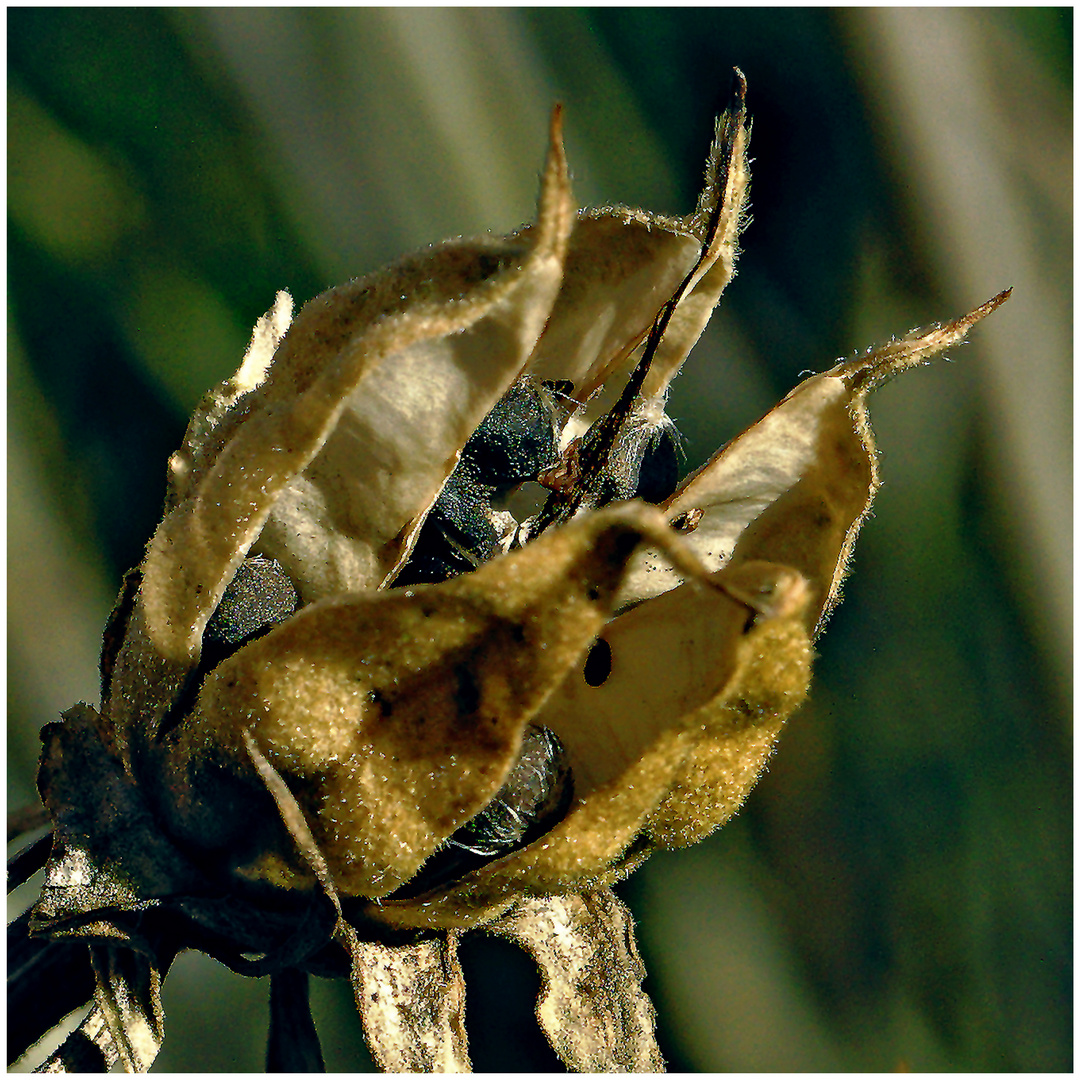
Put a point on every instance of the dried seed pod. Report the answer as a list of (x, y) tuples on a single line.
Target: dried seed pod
[(285, 737), (412, 709)]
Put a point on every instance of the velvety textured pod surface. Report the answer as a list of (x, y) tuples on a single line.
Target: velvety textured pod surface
[(955, 395)]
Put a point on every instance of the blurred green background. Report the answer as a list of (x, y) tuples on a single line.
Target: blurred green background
[(897, 892)]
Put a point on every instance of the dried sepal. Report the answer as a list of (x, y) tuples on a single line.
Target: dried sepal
[(110, 865), (129, 996), (125, 1024), (47, 980), (592, 1007), (108, 851), (411, 1000), (293, 1042), (88, 1049)]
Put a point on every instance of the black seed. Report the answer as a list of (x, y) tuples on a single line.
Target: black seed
[(428, 567), (515, 442), (462, 514), (259, 596), (535, 796), (535, 789), (598, 663), (456, 537)]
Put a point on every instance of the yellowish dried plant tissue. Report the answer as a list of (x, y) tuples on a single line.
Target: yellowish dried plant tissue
[(344, 757)]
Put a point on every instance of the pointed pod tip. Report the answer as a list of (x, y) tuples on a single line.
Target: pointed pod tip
[(919, 347), (738, 87), (555, 216), (733, 105), (556, 160), (556, 125), (958, 328), (993, 302)]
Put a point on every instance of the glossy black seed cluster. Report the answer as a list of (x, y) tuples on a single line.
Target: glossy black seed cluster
[(515, 443)]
